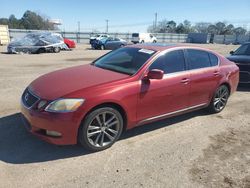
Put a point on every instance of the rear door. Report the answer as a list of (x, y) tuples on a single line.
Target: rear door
[(115, 44), (204, 75)]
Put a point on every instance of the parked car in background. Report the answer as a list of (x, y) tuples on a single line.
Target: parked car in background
[(143, 37), (93, 104), (70, 43), (109, 43), (241, 57), (38, 42), (97, 37)]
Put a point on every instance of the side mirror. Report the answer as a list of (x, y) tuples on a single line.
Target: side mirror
[(232, 52), (155, 74)]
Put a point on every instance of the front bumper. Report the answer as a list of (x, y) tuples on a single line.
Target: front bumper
[(65, 123)]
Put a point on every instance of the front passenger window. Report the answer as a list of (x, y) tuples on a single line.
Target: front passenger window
[(170, 62)]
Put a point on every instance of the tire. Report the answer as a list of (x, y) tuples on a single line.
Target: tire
[(142, 41), (219, 99), (56, 49), (94, 135), (102, 47), (154, 41), (122, 45)]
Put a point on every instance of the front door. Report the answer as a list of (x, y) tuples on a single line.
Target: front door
[(168, 95)]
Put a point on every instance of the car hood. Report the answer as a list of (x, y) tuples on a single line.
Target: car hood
[(239, 58), (62, 82)]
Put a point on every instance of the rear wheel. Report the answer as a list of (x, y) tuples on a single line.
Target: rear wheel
[(56, 49), (100, 129), (219, 99), (142, 41), (122, 45)]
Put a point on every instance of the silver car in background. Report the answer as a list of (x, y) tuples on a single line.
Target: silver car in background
[(38, 42)]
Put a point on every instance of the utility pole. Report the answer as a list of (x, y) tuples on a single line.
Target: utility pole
[(155, 24), (78, 34), (79, 26), (107, 26)]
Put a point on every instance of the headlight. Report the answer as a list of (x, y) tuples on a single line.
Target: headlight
[(64, 105)]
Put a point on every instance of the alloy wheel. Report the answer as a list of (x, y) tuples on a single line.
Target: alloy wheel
[(220, 99), (103, 129)]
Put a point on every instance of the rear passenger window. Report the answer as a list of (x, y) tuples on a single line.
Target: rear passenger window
[(197, 59), (171, 62), (213, 59)]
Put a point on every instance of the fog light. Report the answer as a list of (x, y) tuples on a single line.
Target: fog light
[(53, 133)]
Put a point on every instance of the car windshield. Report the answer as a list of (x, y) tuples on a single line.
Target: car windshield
[(124, 60), (243, 50)]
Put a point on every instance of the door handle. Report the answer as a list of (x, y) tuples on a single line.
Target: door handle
[(185, 81), (216, 73)]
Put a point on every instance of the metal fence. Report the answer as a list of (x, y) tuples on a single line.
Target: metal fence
[(83, 37), (231, 39)]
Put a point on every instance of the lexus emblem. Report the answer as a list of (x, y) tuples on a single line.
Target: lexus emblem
[(26, 97)]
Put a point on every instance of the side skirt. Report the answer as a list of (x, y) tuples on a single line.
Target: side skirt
[(170, 114)]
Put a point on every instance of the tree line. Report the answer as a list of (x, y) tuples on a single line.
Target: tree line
[(219, 28), (29, 20), (32, 20)]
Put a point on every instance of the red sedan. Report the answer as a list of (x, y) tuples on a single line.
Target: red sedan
[(93, 104)]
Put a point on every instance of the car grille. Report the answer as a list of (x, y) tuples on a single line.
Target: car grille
[(28, 98)]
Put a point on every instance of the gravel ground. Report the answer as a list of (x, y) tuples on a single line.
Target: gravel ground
[(193, 150)]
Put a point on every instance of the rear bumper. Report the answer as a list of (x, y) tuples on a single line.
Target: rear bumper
[(38, 122)]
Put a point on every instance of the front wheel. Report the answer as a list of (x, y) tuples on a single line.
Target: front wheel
[(102, 47), (100, 129), (219, 99)]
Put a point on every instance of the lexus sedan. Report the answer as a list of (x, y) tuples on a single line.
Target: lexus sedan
[(242, 58), (131, 86)]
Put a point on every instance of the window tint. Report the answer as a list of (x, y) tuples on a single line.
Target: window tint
[(197, 59), (213, 59), (135, 35), (171, 62), (124, 60)]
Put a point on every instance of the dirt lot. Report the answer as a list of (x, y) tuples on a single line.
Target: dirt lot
[(192, 150)]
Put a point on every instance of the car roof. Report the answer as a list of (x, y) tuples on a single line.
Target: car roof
[(162, 46)]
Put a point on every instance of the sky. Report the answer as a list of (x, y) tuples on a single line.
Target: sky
[(130, 15)]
